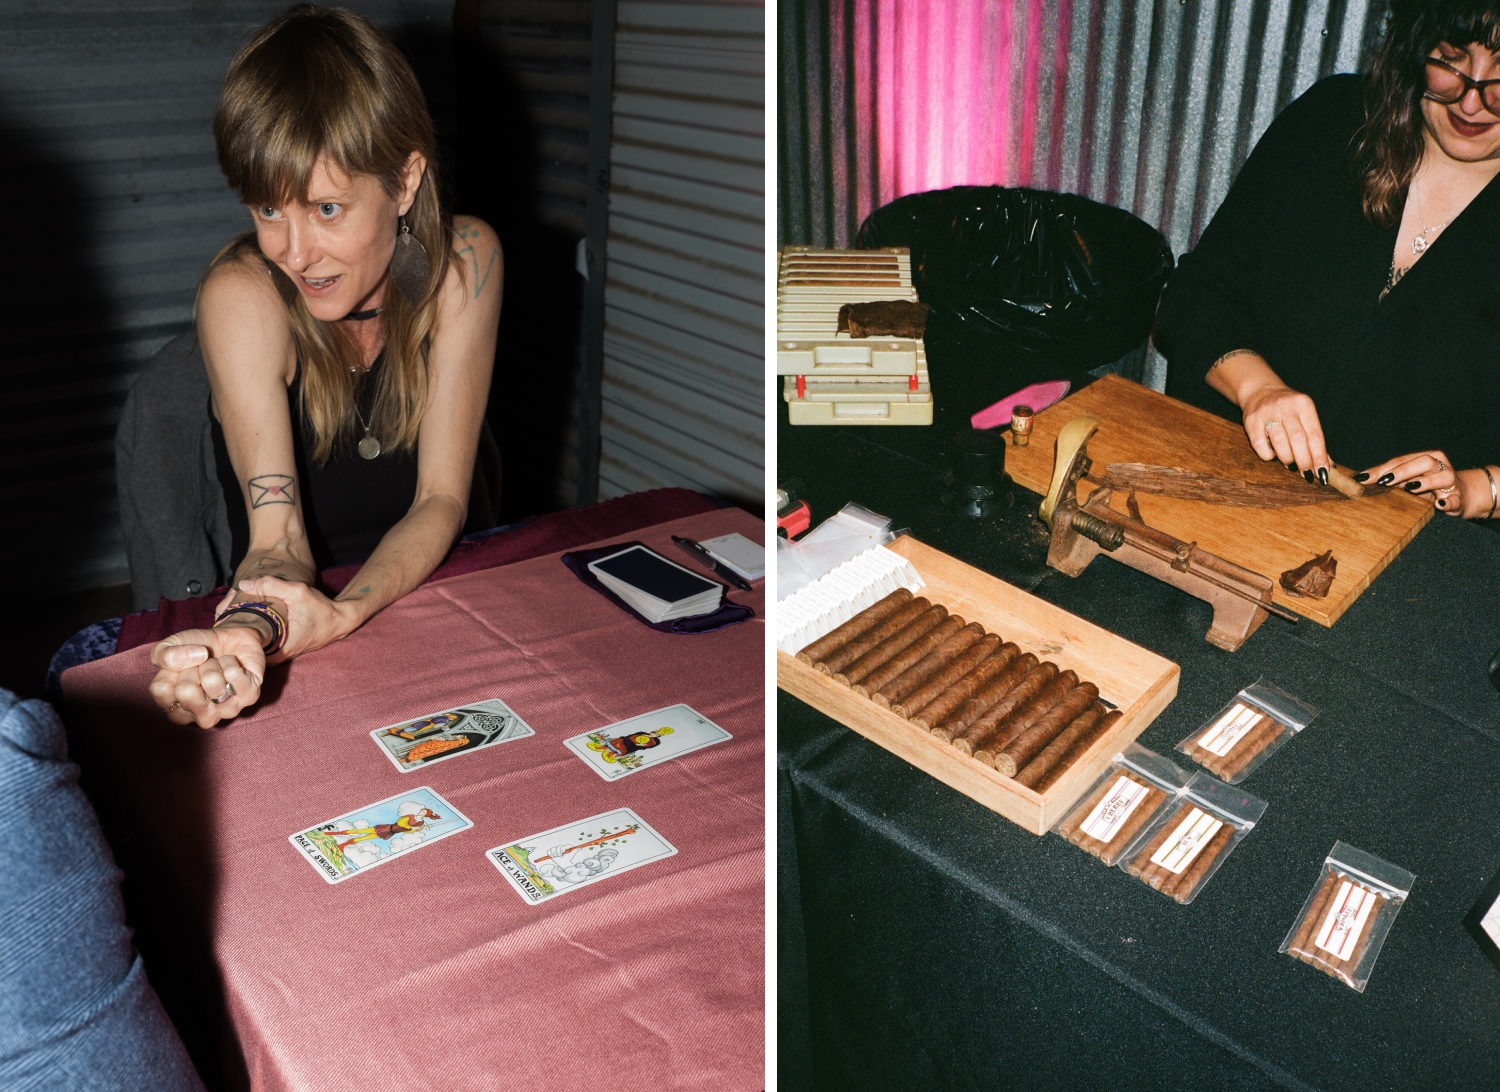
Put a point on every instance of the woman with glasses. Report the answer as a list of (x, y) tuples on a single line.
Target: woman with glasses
[(1344, 298)]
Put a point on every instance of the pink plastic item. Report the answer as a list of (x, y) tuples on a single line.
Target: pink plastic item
[(1038, 396)]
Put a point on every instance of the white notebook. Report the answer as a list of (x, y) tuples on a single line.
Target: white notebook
[(744, 556), (659, 589)]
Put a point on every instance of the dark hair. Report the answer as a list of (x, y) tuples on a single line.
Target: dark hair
[(1390, 141)]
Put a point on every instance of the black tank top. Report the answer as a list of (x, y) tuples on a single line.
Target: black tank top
[(348, 503)]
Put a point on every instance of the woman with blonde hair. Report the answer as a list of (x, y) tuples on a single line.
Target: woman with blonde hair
[(348, 342)]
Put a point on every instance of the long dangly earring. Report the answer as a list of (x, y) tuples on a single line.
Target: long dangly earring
[(409, 266)]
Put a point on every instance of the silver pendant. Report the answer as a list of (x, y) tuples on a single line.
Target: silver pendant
[(369, 448), (1418, 244)]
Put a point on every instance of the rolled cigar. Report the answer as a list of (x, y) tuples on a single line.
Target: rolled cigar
[(1142, 860), (939, 707), (1076, 750), (1026, 746), (1018, 695), (1248, 749), (1181, 887), (1302, 943), (923, 623), (1023, 718), (989, 645), (987, 695), (909, 655), (1038, 768), (929, 665), (1109, 852), (864, 620), (888, 626)]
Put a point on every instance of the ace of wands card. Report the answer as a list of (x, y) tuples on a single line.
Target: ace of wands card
[(359, 840), (435, 737), (575, 855), (650, 739)]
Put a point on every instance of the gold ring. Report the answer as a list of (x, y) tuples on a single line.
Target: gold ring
[(176, 705)]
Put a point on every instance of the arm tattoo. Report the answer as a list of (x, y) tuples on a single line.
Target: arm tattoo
[(365, 590), (465, 231), (271, 489)]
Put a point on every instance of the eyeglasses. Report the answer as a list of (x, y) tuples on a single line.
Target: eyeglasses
[(1447, 85)]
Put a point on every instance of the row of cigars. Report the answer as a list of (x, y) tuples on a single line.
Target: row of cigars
[(1023, 717)]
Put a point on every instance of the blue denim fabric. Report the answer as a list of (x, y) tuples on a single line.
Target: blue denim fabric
[(87, 645), (76, 1011)]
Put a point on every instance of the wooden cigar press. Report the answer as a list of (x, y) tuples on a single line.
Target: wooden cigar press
[(1241, 598)]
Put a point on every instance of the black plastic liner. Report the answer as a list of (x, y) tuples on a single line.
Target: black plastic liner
[(1024, 284)]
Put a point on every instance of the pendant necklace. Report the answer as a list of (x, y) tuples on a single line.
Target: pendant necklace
[(1419, 241), (369, 446)]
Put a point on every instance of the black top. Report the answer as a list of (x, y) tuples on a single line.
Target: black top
[(348, 503), (1291, 268)]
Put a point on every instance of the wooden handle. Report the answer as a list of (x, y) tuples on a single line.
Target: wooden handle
[(1344, 484)]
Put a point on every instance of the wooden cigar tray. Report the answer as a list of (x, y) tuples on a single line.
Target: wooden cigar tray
[(1139, 682)]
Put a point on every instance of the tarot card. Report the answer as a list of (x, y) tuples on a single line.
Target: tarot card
[(647, 740), (569, 857), (360, 840), (413, 744)]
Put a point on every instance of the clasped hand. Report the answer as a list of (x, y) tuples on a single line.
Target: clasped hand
[(207, 676)]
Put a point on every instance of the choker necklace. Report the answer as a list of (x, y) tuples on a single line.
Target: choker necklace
[(369, 446), (361, 316)]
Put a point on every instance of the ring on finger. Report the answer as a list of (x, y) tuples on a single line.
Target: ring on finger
[(222, 698), (1442, 465), (1272, 424), (176, 705)]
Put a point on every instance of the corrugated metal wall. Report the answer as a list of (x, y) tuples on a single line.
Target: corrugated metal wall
[(1151, 107), (684, 375), (114, 204)]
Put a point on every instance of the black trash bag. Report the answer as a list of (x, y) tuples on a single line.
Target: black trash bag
[(1024, 285)]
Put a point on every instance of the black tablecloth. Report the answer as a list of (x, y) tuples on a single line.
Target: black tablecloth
[(926, 942)]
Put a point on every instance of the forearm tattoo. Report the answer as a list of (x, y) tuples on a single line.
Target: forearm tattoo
[(272, 489)]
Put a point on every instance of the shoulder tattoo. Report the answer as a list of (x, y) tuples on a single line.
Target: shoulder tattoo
[(468, 234)]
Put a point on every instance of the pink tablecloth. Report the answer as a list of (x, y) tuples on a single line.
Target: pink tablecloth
[(430, 971)]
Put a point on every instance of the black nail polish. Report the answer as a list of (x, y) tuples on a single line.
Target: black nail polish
[(1308, 474), (1386, 479), (1362, 477), (1292, 467), (1412, 487), (1323, 474)]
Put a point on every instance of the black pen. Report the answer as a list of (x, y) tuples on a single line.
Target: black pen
[(723, 570)]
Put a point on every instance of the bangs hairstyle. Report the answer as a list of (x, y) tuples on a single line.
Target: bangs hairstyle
[(328, 83), (1390, 142)]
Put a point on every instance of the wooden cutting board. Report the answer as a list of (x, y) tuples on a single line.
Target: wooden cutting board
[(1138, 425)]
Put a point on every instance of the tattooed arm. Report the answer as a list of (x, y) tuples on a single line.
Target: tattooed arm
[(460, 362)]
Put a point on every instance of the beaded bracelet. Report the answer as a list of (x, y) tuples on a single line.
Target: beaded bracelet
[(264, 611), (1494, 495)]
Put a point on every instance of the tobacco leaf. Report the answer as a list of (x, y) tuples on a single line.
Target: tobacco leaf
[(1311, 579), (1174, 481)]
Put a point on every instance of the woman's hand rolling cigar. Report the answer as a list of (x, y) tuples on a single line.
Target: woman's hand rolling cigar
[(1282, 424)]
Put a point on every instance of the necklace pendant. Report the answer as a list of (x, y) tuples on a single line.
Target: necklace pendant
[(369, 448), (1418, 244)]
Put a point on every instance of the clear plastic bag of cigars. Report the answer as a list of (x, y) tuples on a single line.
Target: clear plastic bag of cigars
[(1248, 730), (1133, 789), (1346, 918), (1179, 851)]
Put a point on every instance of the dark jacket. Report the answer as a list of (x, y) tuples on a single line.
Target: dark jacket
[(1291, 268), (171, 506)]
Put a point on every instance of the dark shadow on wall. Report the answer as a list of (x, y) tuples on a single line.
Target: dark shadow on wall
[(60, 362), (492, 163), (500, 164)]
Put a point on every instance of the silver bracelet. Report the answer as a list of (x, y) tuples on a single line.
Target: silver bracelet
[(1494, 495)]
